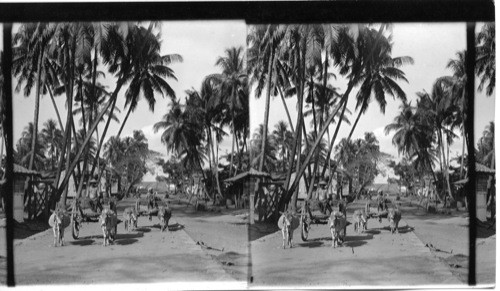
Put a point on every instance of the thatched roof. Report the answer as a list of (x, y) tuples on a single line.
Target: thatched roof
[(483, 169), (20, 170), (251, 173)]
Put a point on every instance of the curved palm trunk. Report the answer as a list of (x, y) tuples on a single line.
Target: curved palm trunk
[(124, 121), (51, 94), (111, 102), (343, 104), (285, 198), (355, 123), (286, 109), (318, 139)]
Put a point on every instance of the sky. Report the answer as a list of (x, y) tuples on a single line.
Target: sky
[(431, 45), (200, 43)]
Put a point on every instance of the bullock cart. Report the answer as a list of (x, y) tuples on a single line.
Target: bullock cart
[(84, 209), (148, 206)]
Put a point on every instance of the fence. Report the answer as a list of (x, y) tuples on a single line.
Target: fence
[(39, 199)]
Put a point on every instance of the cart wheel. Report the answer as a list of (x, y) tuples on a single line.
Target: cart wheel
[(304, 226), (75, 227)]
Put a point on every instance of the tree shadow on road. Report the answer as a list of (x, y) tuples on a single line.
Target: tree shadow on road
[(358, 237), (311, 244), (401, 229), (143, 229), (353, 244), (175, 227), (126, 241), (82, 242), (372, 231), (128, 235)]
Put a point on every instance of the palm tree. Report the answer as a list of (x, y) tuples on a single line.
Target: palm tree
[(460, 99), (53, 139), (486, 146), (283, 138), (24, 149), (485, 61), (117, 53), (263, 42), (232, 83), (414, 136), (182, 133), (271, 149), (441, 111), (29, 55), (345, 55), (381, 76), (151, 70)]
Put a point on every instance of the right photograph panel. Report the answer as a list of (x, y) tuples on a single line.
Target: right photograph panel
[(359, 144)]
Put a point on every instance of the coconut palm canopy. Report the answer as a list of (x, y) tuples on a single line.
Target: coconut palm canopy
[(208, 38), (115, 90), (350, 95), (408, 40)]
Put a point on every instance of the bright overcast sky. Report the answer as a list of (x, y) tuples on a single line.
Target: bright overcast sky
[(199, 42), (431, 46)]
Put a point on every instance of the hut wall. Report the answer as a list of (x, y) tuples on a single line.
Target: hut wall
[(481, 190), (19, 185)]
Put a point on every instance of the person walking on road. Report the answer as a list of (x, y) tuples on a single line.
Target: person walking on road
[(323, 197)]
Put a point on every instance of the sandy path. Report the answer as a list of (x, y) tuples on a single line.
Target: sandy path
[(449, 237), (145, 255), (224, 233), (373, 258)]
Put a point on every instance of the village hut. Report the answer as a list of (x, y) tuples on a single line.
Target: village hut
[(23, 180), (484, 189), (245, 186)]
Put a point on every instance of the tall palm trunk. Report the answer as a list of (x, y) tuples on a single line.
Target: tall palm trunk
[(69, 95), (343, 104), (442, 160), (232, 146), (356, 122), (111, 103), (51, 94), (301, 60), (217, 169), (286, 109), (266, 111), (37, 110), (124, 121), (463, 152), (320, 135)]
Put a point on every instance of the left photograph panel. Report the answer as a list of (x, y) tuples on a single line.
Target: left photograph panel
[(127, 137)]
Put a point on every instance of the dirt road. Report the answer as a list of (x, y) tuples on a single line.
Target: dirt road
[(145, 255), (373, 258)]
